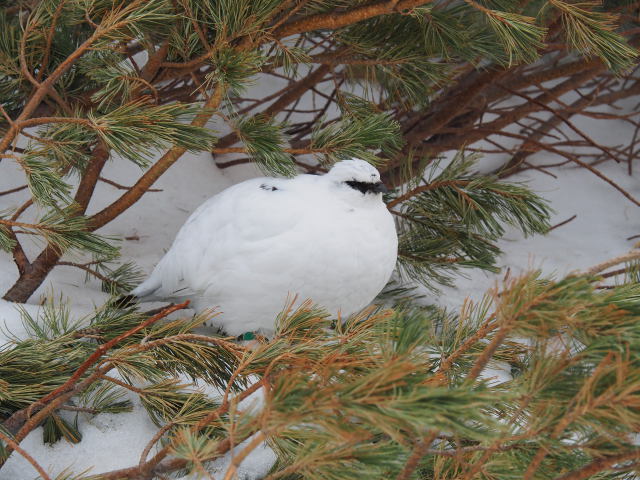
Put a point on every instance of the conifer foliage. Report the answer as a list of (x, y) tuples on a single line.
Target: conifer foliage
[(386, 394), (391, 393)]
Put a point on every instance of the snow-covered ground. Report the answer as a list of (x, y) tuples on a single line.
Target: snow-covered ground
[(604, 221)]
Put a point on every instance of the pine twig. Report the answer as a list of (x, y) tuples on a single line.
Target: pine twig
[(488, 352), (613, 273), (238, 459), (420, 449), (14, 446), (124, 187), (160, 464), (158, 435), (14, 190), (567, 419), (132, 195), (335, 20), (102, 349), (85, 268), (425, 188), (486, 328), (23, 421), (564, 222), (43, 89), (627, 257), (599, 465)]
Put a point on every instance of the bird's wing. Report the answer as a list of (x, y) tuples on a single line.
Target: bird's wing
[(221, 233)]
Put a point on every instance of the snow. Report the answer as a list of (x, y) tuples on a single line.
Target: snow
[(114, 441), (604, 220), (109, 442), (257, 465), (11, 325)]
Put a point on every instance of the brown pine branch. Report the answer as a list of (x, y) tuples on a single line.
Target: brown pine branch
[(569, 417), (14, 190), (127, 199), (600, 465), (160, 464), (424, 188), (487, 327), (488, 351), (124, 187), (232, 470), (564, 222), (627, 257), (33, 226), (105, 347), (420, 449), (158, 435), (151, 470), (45, 87), (32, 122), (573, 158), (126, 385), (336, 20), (14, 446), (563, 117), (24, 68), (36, 271), (293, 151), (49, 40), (25, 420), (512, 166), (422, 129)]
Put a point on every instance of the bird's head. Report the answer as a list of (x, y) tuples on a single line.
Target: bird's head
[(357, 177)]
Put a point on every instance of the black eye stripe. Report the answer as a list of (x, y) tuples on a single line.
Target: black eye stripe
[(364, 187)]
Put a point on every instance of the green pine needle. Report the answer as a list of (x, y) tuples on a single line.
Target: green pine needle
[(264, 141), (592, 32), (235, 70), (6, 241), (137, 130), (358, 136), (455, 218)]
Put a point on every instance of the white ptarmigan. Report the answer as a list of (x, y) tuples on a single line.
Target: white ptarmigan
[(248, 249)]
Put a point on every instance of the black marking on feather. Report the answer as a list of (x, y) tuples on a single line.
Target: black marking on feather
[(269, 188), (367, 187)]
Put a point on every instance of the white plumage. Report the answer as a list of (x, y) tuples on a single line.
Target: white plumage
[(327, 238)]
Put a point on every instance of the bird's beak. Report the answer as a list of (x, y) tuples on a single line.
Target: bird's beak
[(379, 188)]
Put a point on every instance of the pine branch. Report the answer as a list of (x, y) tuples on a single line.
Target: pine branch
[(264, 142), (147, 180), (419, 451), (336, 20), (519, 34), (599, 465), (592, 31), (13, 445), (27, 419), (453, 219), (292, 94), (354, 396), (377, 376), (43, 89), (627, 257)]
